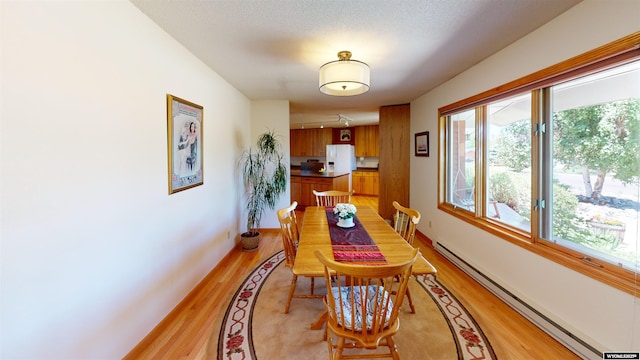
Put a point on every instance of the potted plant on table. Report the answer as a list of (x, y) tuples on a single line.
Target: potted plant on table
[(265, 178), (346, 213)]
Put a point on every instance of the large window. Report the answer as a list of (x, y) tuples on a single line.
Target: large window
[(508, 167), (552, 163), (461, 169), (594, 161)]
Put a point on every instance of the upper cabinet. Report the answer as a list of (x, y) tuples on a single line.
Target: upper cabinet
[(367, 141), (310, 142), (299, 147), (324, 137), (313, 142)]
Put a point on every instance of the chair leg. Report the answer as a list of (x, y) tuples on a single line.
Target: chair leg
[(292, 289), (312, 284), (393, 348), (329, 341), (495, 206), (339, 348), (408, 294)]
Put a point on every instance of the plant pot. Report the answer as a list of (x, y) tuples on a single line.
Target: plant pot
[(250, 241), (346, 223)]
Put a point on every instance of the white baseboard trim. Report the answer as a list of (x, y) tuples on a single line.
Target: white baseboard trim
[(555, 330)]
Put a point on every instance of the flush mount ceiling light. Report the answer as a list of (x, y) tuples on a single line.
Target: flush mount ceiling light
[(344, 77)]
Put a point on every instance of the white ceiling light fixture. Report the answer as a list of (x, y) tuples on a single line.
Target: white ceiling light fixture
[(344, 77), (344, 119)]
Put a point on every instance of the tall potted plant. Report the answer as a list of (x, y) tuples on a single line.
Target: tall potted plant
[(265, 178)]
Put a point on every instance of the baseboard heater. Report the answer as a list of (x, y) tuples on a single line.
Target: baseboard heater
[(569, 340)]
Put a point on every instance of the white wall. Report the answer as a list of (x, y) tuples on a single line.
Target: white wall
[(94, 252), (272, 115), (603, 316)]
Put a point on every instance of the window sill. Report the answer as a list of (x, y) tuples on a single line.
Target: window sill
[(607, 273)]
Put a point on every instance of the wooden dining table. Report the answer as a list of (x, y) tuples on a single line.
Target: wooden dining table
[(314, 235)]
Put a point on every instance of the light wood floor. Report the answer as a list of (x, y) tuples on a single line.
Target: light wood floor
[(183, 334)]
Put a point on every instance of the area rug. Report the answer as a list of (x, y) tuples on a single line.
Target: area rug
[(255, 326)]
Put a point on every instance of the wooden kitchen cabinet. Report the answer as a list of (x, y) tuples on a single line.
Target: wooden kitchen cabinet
[(375, 179), (302, 186), (293, 137), (356, 182), (300, 143), (296, 189), (309, 142), (367, 139), (323, 137), (365, 182), (310, 184)]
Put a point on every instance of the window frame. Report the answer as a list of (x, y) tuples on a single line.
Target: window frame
[(615, 53)]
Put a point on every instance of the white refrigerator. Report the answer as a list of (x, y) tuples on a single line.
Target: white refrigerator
[(341, 159)]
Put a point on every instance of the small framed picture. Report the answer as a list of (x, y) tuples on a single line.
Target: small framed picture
[(345, 135), (422, 144), (184, 130)]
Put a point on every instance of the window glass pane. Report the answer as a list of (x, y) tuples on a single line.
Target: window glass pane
[(461, 162), (508, 180), (596, 164)]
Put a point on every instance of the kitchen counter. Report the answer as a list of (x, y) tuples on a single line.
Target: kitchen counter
[(304, 182), (329, 175)]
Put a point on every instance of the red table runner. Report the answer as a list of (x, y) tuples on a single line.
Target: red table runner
[(353, 245)]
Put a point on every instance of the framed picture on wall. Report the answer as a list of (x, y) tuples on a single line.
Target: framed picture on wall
[(422, 144), (184, 144), (345, 135)]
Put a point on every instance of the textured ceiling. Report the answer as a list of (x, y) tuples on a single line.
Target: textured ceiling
[(272, 49)]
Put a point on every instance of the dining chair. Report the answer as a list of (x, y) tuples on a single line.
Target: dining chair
[(330, 198), (468, 200), (405, 221), (363, 305), (290, 237)]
